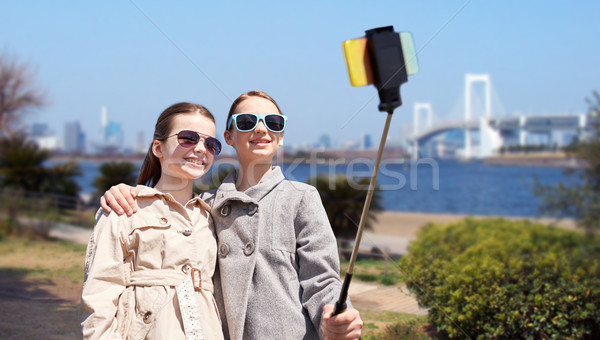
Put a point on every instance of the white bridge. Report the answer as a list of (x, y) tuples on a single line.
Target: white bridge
[(480, 135)]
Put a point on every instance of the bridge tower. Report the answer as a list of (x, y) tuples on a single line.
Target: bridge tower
[(470, 79), (418, 108)]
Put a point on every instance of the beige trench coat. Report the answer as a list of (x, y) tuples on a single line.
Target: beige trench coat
[(133, 265)]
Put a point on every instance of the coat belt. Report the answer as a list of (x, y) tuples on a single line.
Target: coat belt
[(162, 277)]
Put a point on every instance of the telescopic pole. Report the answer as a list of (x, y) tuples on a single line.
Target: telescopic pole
[(340, 305)]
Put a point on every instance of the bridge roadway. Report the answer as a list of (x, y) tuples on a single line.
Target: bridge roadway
[(541, 123)]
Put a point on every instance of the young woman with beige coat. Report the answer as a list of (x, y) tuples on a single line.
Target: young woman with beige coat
[(149, 276)]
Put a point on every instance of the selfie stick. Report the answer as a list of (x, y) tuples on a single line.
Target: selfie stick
[(383, 58)]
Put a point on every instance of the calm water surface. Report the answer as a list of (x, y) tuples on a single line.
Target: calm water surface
[(430, 186)]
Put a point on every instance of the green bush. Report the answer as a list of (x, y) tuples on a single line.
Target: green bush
[(405, 331), (367, 277), (495, 278), (26, 216)]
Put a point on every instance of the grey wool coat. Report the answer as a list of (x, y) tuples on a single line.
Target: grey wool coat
[(277, 257)]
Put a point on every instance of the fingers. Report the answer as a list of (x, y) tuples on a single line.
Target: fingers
[(105, 205), (121, 199), (327, 311), (346, 325), (124, 196)]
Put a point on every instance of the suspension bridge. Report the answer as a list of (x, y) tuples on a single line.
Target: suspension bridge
[(480, 133)]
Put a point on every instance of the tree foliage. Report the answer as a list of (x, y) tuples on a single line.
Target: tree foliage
[(23, 166), (212, 180), (579, 199), (18, 93), (22, 163), (344, 198), (113, 173)]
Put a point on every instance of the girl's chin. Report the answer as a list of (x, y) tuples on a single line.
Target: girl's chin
[(195, 171), (261, 154)]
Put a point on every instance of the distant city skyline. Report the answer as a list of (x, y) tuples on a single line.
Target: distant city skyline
[(109, 139)]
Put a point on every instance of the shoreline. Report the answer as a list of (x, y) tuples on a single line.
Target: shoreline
[(529, 159), (407, 224)]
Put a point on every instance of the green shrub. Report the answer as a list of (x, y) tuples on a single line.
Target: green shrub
[(495, 278), (405, 331), (367, 277), (26, 216), (390, 280)]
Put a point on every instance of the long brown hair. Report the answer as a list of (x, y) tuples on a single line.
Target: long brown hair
[(245, 96), (151, 170)]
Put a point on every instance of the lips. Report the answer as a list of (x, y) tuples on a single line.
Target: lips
[(195, 161), (260, 141)]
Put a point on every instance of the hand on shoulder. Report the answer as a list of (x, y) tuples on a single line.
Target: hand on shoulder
[(121, 199)]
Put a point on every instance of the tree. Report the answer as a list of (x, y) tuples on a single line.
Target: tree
[(22, 163), (62, 178), (212, 180), (18, 93), (23, 167), (344, 199), (113, 173), (580, 199)]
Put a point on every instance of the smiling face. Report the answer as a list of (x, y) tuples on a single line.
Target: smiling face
[(260, 144), (180, 163)]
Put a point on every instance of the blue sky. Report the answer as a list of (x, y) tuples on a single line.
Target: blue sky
[(138, 57)]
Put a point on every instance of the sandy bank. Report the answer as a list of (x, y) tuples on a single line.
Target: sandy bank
[(405, 224)]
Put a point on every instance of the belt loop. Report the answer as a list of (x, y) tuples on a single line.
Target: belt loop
[(127, 274), (197, 279)]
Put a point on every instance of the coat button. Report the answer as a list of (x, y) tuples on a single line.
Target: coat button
[(249, 248), (252, 209), (225, 210), (223, 250), (163, 220), (186, 268), (148, 317), (187, 232)]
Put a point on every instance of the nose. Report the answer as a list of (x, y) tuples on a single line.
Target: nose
[(200, 147), (260, 127)]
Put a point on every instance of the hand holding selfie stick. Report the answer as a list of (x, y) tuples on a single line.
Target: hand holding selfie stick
[(383, 58)]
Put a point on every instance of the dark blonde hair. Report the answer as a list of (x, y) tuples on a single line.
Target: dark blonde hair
[(245, 96), (151, 170)]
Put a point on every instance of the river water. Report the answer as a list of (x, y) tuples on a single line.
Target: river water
[(428, 186)]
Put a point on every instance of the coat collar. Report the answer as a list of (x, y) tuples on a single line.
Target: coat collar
[(228, 191), (150, 192)]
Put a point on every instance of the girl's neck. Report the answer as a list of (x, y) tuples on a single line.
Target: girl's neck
[(251, 175), (180, 189)]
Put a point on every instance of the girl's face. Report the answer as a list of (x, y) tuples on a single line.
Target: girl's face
[(178, 162), (259, 144)]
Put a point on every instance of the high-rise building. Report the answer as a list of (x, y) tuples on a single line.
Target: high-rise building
[(111, 135), (39, 129), (74, 138), (365, 141), (325, 141), (41, 134), (141, 144)]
